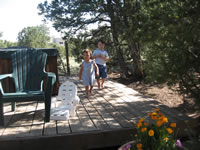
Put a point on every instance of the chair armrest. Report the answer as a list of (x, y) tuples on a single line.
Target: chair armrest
[(53, 76), (3, 76), (51, 79)]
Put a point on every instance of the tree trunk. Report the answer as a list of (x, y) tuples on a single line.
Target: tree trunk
[(115, 36), (134, 47), (137, 64)]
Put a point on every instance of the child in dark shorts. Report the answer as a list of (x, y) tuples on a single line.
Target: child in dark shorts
[(101, 57)]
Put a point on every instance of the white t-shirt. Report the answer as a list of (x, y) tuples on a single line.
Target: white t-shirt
[(100, 61)]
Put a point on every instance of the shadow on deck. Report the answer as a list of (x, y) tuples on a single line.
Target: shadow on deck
[(103, 120)]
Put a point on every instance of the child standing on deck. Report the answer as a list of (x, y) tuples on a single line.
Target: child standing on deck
[(87, 71), (101, 57)]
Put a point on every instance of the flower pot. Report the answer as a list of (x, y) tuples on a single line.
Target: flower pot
[(126, 145), (123, 147)]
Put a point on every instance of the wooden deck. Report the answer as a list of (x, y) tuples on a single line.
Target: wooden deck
[(105, 119)]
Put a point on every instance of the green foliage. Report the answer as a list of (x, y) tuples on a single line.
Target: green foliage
[(73, 16), (172, 55), (35, 37), (5, 44), (159, 37), (89, 40)]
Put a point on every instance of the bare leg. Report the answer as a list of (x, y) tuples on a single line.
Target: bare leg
[(103, 79), (86, 90), (91, 87), (98, 82)]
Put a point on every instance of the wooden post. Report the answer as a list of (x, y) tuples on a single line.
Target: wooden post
[(67, 58)]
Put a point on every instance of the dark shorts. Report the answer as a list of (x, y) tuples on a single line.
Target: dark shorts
[(102, 71)]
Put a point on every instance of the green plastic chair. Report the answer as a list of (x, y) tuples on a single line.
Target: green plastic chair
[(28, 75)]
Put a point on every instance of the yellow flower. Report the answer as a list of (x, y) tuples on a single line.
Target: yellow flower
[(166, 139), (146, 124), (139, 125), (139, 145), (151, 133), (143, 129), (173, 125), (156, 110), (169, 130), (154, 114), (141, 120)]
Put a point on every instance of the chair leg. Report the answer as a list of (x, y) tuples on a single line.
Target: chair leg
[(1, 115), (48, 99), (13, 106), (47, 109)]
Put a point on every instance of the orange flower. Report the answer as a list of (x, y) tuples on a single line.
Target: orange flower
[(143, 129), (151, 133), (159, 123), (173, 125), (165, 120), (169, 130), (139, 145), (154, 117), (139, 125), (141, 120), (157, 110), (146, 124), (166, 139)]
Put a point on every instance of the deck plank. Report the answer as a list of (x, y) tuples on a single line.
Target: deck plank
[(131, 94), (133, 105), (132, 98), (75, 124), (124, 108), (96, 118), (15, 121), (7, 116), (63, 127), (85, 119), (38, 122), (8, 113), (110, 120), (50, 128), (118, 113), (26, 123)]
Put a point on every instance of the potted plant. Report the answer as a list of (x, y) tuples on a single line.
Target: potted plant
[(154, 133)]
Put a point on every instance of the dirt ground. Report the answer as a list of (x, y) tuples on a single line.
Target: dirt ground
[(164, 94)]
